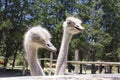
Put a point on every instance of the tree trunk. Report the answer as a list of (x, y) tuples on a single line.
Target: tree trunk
[(5, 61), (110, 71), (93, 69), (42, 61), (14, 58), (100, 68), (70, 67), (80, 68), (118, 69)]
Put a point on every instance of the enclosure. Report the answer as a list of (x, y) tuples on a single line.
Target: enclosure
[(92, 52)]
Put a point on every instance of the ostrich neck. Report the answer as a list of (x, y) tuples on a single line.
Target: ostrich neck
[(32, 58), (62, 57)]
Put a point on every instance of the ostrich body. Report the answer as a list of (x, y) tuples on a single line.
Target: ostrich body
[(71, 26), (35, 38)]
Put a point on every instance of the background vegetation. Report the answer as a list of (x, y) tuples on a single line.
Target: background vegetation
[(101, 18)]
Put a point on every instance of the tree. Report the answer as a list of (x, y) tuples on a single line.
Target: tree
[(12, 27), (111, 19)]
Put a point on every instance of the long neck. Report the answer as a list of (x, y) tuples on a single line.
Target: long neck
[(32, 58), (62, 57)]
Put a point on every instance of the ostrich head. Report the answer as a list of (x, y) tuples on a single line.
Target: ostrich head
[(39, 37), (73, 25)]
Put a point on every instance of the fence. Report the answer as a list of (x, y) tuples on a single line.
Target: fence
[(73, 76), (93, 65)]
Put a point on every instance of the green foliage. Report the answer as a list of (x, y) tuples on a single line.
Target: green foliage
[(111, 18), (4, 24)]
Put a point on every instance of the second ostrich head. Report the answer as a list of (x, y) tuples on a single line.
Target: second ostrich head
[(39, 37), (73, 25)]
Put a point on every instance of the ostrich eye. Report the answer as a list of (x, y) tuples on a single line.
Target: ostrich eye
[(42, 41), (68, 21)]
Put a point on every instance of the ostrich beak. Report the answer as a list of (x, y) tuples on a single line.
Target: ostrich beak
[(51, 47), (80, 28)]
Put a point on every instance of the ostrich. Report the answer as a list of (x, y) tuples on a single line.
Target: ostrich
[(71, 26), (35, 38)]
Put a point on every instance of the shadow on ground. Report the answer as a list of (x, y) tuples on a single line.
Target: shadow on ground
[(11, 73)]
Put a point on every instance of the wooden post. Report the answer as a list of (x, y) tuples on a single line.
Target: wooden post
[(76, 59), (51, 58), (108, 69)]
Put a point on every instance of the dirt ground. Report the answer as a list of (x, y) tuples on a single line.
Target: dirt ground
[(10, 73)]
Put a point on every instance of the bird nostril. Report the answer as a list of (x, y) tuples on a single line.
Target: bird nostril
[(77, 26), (48, 45)]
